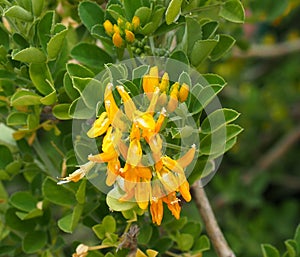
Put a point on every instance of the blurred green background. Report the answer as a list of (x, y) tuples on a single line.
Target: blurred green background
[(256, 190)]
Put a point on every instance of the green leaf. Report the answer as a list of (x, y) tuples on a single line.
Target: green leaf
[(45, 28), (90, 14), (30, 55), (41, 78), (173, 11), (68, 86), (116, 11), (49, 99), (55, 44), (69, 222), (113, 202), (185, 78), (192, 228), (6, 156), (99, 231), (13, 167), (25, 97), (30, 215), (14, 222), (145, 234), (297, 237), (61, 111), (78, 70), (140, 71), (144, 13), (91, 90), (203, 168), (269, 251), (58, 194), (224, 45), (78, 110), (34, 241), (185, 241), (37, 7), (130, 6), (23, 201), (209, 29), (291, 247), (19, 13), (233, 10), (16, 118), (217, 119), (20, 40), (109, 224), (4, 38), (192, 33), (201, 50), (80, 194), (202, 244), (202, 96), (91, 55)]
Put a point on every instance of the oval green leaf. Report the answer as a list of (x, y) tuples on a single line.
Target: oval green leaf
[(25, 97), (19, 13), (30, 55), (173, 11), (34, 241), (233, 10)]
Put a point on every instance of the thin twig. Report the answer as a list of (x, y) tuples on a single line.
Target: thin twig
[(213, 230), (269, 51), (276, 152)]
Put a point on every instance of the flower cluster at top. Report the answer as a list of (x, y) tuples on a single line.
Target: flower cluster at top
[(132, 146), (123, 31)]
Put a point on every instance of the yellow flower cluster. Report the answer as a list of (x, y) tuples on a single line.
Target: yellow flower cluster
[(122, 31), (132, 146)]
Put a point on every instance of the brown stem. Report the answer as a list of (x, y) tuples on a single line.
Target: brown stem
[(213, 230), (269, 51)]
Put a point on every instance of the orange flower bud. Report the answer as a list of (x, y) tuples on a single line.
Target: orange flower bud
[(108, 27), (128, 26), (183, 92), (186, 159), (117, 39), (151, 81), (173, 101), (135, 22), (129, 36), (162, 100), (117, 29), (164, 84)]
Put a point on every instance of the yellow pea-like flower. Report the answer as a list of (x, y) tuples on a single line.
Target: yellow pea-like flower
[(129, 105), (135, 153), (100, 126)]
